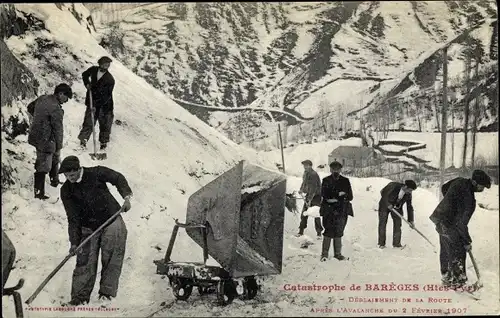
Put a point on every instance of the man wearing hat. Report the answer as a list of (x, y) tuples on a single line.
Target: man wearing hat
[(451, 217), (311, 186), (394, 195), (99, 81), (336, 191), (88, 204), (46, 135)]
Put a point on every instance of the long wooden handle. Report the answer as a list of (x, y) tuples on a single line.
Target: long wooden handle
[(54, 272), (91, 102), (413, 227), (476, 268)]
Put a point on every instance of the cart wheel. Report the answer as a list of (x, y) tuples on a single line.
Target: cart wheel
[(226, 292), (250, 288), (181, 290)]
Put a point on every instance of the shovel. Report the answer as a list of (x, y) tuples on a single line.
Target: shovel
[(414, 228), (477, 284), (79, 247), (95, 155)]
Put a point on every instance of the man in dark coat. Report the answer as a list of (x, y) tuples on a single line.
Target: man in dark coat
[(336, 191), (46, 135), (394, 195), (88, 204), (311, 186), (101, 83), (451, 217), (8, 257)]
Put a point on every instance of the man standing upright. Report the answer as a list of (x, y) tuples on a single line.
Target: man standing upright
[(311, 186), (336, 191), (451, 217), (101, 83), (394, 195), (89, 204), (46, 135)]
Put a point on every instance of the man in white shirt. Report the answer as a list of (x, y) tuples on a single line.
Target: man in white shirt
[(99, 81), (394, 195)]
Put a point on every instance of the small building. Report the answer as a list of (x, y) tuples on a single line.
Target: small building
[(352, 157)]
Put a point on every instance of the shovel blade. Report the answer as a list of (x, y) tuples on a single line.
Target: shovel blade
[(98, 156)]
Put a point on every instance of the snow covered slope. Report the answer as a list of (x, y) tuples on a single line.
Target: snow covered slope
[(165, 153), (294, 56)]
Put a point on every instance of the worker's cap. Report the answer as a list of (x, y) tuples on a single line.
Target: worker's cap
[(64, 89), (411, 184), (69, 164), (307, 163), (104, 60), (336, 165), (481, 178)]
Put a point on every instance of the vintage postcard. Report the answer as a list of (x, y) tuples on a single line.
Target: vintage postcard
[(325, 159)]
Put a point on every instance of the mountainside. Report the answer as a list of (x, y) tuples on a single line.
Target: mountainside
[(165, 152), (300, 57)]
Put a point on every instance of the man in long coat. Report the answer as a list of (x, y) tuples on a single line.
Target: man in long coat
[(99, 81), (46, 135), (394, 196), (89, 204), (451, 217), (336, 191)]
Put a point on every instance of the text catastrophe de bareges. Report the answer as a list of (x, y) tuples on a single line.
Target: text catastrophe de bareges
[(365, 287)]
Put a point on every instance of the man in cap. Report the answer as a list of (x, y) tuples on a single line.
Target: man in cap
[(311, 186), (46, 135), (451, 217), (393, 196), (336, 191), (99, 81), (88, 204)]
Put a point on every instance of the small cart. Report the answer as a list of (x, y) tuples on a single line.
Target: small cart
[(184, 276), (238, 220)]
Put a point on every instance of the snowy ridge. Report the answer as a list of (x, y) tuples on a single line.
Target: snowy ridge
[(290, 56)]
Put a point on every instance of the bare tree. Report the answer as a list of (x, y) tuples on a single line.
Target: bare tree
[(476, 109), (436, 102), (466, 105)]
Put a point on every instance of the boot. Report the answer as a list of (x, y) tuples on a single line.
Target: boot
[(325, 247), (337, 248), (39, 186), (301, 232), (83, 143)]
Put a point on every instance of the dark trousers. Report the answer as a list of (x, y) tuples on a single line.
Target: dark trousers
[(48, 162), (304, 219), (111, 242), (452, 256), (105, 119), (383, 215), (8, 257), (334, 222)]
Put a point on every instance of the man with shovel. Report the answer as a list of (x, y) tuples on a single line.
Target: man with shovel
[(311, 186), (451, 217), (100, 84), (89, 204), (46, 135), (393, 196)]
